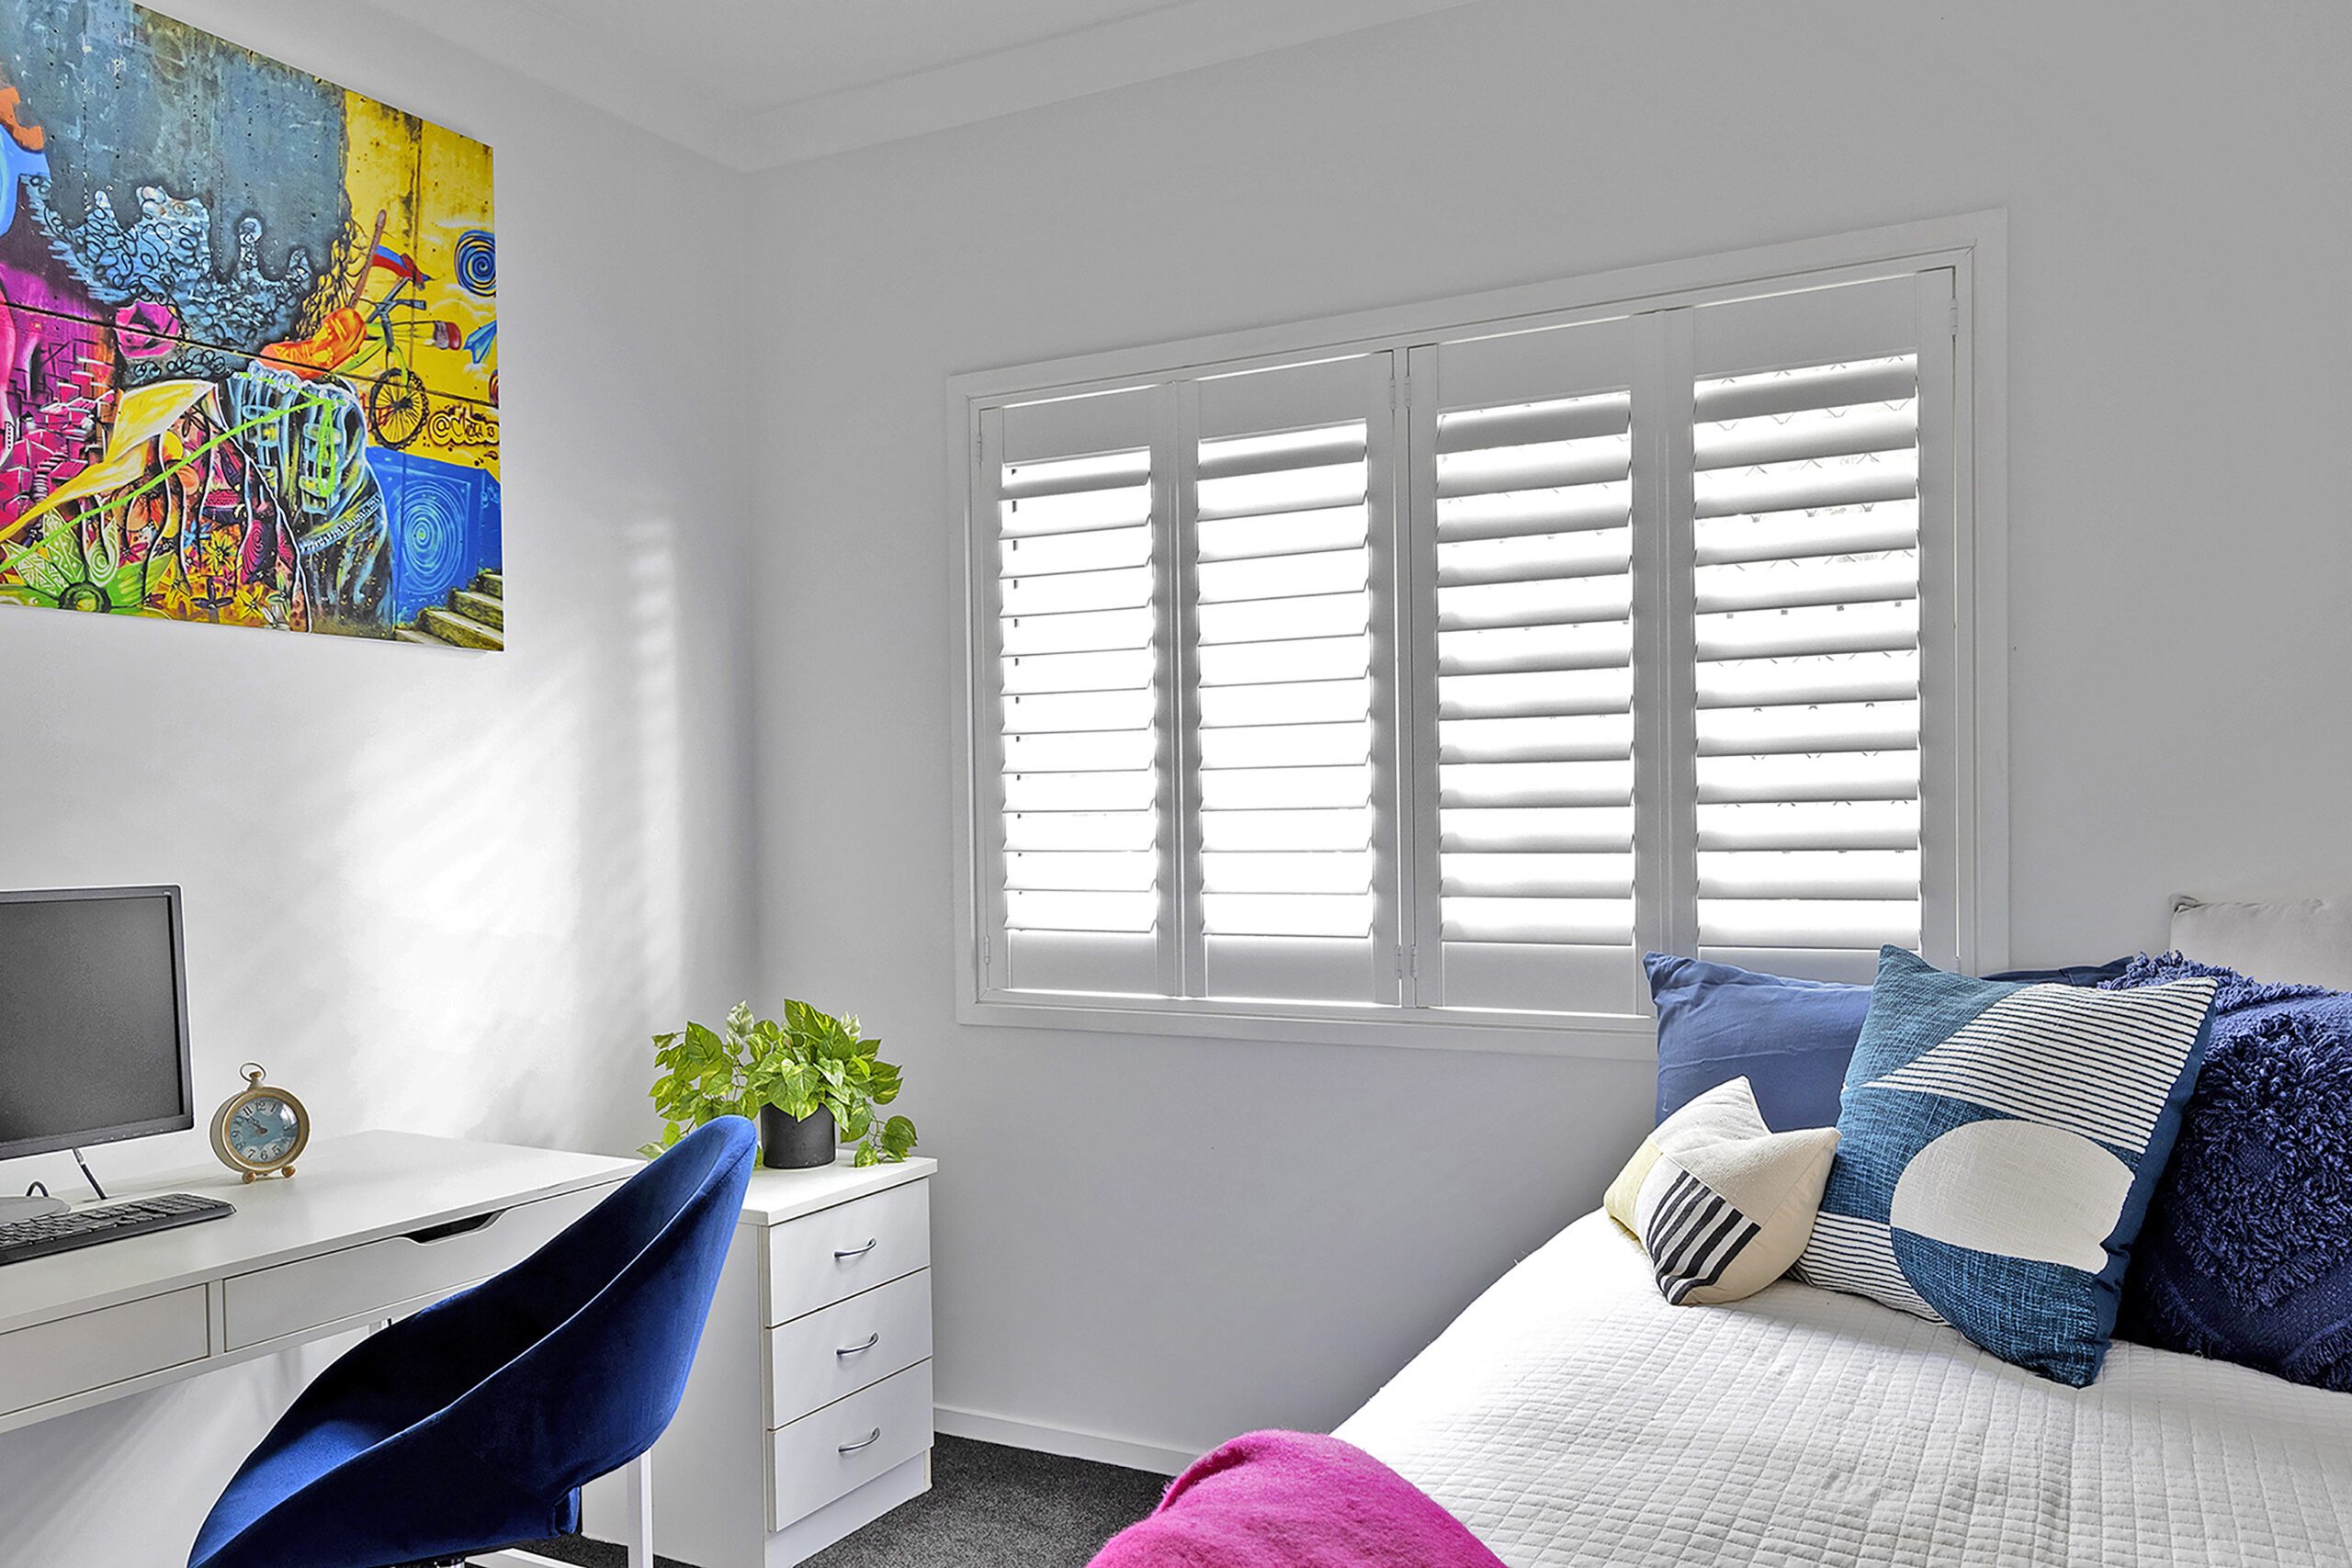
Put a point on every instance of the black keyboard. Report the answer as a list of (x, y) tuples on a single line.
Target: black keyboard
[(21, 1239)]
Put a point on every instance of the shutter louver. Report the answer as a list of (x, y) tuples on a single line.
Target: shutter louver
[(1284, 693), (1531, 554), (1077, 715), (1807, 624)]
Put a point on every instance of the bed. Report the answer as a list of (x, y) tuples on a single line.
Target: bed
[(1570, 1415)]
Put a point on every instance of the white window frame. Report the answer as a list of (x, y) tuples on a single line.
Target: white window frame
[(1973, 245)]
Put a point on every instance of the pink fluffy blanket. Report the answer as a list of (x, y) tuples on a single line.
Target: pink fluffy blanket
[(1295, 1500)]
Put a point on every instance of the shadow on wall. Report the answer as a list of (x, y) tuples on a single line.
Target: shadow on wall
[(583, 805)]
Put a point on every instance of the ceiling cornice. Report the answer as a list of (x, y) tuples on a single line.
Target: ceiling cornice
[(1163, 43), (542, 44)]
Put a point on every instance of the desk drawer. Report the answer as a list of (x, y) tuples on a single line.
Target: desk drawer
[(880, 1428), (375, 1276), (837, 1350), (833, 1254), (92, 1349)]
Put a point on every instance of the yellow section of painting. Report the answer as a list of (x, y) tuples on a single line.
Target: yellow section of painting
[(454, 201), (380, 174)]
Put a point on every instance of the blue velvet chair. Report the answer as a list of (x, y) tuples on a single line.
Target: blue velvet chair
[(472, 1425)]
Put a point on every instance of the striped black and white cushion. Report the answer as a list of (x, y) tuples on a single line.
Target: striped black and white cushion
[(1723, 1205), (1693, 1236)]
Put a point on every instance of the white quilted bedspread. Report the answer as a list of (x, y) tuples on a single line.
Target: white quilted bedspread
[(1571, 1416)]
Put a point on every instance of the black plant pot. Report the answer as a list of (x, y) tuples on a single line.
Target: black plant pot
[(795, 1143)]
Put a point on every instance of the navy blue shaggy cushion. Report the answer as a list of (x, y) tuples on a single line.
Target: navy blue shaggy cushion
[(2246, 1255)]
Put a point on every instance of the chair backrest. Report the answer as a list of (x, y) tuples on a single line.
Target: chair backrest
[(622, 1296)]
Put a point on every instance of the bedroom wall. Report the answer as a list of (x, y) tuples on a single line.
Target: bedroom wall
[(1159, 1242), (442, 892)]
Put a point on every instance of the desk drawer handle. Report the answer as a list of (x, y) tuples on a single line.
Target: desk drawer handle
[(871, 1340), (866, 1443), (843, 1257), (466, 1227)]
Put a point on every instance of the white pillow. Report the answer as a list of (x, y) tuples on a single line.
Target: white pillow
[(2299, 941), (1720, 1202)]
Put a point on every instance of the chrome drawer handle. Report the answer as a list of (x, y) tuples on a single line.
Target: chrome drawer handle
[(871, 1340), (840, 1257), (871, 1438)]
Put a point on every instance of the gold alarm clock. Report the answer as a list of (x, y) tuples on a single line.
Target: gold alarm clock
[(261, 1132)]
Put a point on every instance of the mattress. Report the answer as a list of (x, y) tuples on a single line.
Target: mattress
[(1570, 1415)]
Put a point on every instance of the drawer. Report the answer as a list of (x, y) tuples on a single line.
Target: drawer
[(93, 1349), (837, 1350), (834, 1253), (377, 1275), (841, 1448)]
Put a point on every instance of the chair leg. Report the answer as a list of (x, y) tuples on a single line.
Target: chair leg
[(637, 1511), (637, 1526)]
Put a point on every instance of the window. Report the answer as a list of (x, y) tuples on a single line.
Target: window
[(1413, 682)]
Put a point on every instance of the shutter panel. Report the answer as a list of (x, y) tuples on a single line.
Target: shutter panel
[(1806, 603), (1079, 723), (1526, 557), (1290, 682)]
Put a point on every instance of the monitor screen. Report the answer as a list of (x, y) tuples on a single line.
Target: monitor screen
[(92, 1043)]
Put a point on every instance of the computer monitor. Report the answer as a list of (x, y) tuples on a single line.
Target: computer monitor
[(93, 1017)]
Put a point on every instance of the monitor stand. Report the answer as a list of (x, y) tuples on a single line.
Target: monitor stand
[(88, 1177), (32, 1208)]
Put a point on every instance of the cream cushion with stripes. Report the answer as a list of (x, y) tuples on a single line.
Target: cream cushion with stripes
[(1720, 1202)]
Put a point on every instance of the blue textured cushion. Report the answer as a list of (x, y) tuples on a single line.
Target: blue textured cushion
[(1997, 1148), (2247, 1253), (1790, 1039)]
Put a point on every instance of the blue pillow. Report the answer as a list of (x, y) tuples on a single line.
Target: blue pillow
[(1790, 1039), (1997, 1151), (2247, 1253)]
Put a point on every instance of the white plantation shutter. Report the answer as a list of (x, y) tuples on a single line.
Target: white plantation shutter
[(1436, 679), (1076, 730), (1806, 597), (1292, 689), (1524, 550)]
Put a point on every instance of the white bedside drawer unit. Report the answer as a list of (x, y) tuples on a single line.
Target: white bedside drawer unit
[(769, 1460), (827, 1257), (831, 1452), (269, 1303), (836, 1350)]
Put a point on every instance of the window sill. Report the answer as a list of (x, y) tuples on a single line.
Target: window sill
[(1593, 1036)]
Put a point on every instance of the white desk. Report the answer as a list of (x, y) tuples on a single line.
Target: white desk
[(373, 1225)]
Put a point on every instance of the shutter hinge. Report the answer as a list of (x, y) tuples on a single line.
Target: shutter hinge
[(1955, 318), (979, 445), (988, 950)]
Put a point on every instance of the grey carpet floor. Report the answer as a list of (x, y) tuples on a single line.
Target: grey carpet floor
[(989, 1507)]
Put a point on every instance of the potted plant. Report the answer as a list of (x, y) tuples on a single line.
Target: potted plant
[(812, 1081)]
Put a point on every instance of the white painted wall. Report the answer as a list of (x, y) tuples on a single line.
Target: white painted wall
[(442, 892), (1167, 1241)]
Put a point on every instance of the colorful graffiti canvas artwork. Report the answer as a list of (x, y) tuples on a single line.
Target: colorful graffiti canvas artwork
[(249, 336)]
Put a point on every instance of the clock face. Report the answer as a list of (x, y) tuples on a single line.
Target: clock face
[(264, 1130)]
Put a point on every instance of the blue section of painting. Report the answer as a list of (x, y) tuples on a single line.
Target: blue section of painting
[(445, 526)]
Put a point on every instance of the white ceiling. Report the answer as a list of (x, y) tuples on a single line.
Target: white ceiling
[(757, 83)]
